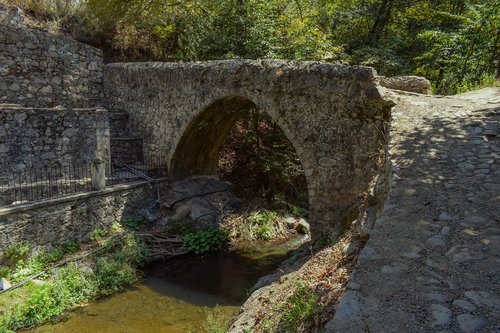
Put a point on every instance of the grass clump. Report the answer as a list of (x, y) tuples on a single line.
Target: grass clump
[(300, 307), (217, 321)]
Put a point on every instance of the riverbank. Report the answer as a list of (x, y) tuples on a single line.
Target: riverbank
[(47, 285)]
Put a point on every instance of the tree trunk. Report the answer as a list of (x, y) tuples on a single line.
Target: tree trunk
[(241, 28), (496, 52), (381, 20)]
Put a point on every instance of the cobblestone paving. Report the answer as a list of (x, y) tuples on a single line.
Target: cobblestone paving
[(432, 263)]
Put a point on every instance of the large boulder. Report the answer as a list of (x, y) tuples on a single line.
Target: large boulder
[(416, 84)]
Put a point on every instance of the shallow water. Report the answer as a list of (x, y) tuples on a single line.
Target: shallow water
[(175, 295)]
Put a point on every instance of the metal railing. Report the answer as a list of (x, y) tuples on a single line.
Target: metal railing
[(37, 184), (149, 169)]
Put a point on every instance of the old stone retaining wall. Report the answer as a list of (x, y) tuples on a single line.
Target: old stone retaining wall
[(41, 138), (41, 69), (51, 223)]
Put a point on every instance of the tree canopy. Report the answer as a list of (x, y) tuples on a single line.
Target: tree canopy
[(454, 43)]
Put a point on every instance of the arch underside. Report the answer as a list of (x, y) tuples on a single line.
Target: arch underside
[(198, 150)]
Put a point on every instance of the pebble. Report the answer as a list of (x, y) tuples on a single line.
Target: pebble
[(464, 305), (367, 253), (437, 297), (461, 257), (435, 241), (445, 217), (394, 267), (441, 314), (483, 298), (469, 323), (445, 231), (475, 219)]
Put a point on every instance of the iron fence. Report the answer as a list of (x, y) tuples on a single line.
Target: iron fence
[(37, 184), (149, 169)]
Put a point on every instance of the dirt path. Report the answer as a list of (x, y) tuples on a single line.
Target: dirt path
[(432, 263)]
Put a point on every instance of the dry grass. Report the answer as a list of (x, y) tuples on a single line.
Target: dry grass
[(50, 15), (253, 226)]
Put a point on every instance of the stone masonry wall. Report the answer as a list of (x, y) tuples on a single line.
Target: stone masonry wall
[(53, 222), (336, 117), (40, 138), (41, 69)]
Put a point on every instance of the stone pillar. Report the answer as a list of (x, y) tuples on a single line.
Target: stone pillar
[(103, 137), (98, 174)]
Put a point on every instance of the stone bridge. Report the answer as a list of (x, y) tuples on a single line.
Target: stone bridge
[(336, 117)]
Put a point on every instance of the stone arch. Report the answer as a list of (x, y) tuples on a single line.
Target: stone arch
[(197, 150), (336, 117)]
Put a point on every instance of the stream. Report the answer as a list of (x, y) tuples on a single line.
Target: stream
[(176, 294)]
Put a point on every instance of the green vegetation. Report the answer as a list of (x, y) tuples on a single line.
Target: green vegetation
[(205, 240), (217, 321), (98, 234), (300, 307), (261, 224), (454, 43), (262, 164), (132, 222), (296, 313), (62, 288)]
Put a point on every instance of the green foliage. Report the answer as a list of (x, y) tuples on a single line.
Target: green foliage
[(257, 149), (15, 254), (112, 276), (46, 258), (68, 286), (4, 271), (262, 224), (72, 287), (454, 43), (321, 242), (132, 222), (181, 227), (205, 240), (300, 307), (98, 234)]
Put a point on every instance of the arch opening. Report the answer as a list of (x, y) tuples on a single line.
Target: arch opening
[(235, 140)]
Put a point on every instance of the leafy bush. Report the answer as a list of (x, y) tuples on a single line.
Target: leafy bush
[(98, 234), (16, 253), (72, 287), (262, 224), (204, 240), (132, 222), (112, 276)]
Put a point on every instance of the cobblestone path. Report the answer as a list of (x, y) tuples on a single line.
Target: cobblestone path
[(432, 263)]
